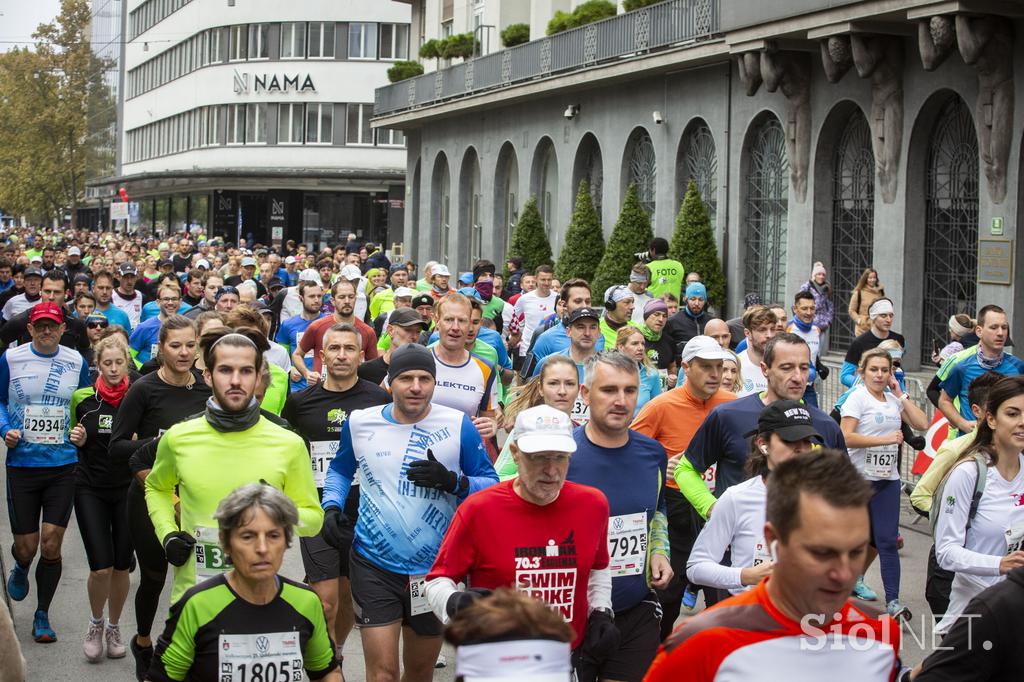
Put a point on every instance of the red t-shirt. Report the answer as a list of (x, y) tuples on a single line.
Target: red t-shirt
[(498, 539), (746, 637), (313, 339)]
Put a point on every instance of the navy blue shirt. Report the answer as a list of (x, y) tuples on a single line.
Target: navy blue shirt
[(633, 479), (720, 439)]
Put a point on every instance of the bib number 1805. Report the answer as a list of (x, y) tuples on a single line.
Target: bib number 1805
[(269, 671)]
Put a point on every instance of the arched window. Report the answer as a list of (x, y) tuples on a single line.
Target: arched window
[(643, 170), (506, 198), (699, 161), (441, 206), (471, 222), (548, 198), (590, 167), (951, 222), (767, 211), (853, 215)]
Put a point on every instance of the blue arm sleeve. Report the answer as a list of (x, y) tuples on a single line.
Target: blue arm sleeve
[(473, 460), (83, 377), (504, 362), (341, 472), (813, 375), (136, 341), (849, 374), (284, 338), (5, 381)]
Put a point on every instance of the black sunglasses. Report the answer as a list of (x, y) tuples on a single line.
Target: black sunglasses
[(98, 325)]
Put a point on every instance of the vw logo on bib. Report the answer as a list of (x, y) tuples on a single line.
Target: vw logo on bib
[(262, 645)]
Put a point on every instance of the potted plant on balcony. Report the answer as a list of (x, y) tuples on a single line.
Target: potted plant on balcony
[(403, 70), (515, 34), (587, 13), (431, 49), (630, 5), (460, 45)]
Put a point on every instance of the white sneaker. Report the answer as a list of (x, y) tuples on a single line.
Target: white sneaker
[(441, 661), (93, 646), (115, 647)]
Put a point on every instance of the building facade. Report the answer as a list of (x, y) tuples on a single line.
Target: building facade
[(859, 133), (252, 119)]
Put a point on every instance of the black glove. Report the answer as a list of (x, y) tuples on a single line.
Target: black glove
[(338, 529), (823, 370), (429, 473), (463, 599), (601, 637), (178, 547)]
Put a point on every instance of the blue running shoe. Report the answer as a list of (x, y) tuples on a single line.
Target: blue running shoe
[(17, 582), (689, 599), (41, 630), (862, 591)]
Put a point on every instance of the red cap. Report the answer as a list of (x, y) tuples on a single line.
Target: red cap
[(47, 310)]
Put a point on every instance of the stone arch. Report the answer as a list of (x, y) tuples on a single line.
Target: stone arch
[(544, 186), (697, 158), (589, 166), (765, 207), (506, 199), (412, 240), (471, 230), (640, 166), (440, 209)]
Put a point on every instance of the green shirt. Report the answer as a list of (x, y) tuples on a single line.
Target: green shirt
[(277, 392), (666, 278)]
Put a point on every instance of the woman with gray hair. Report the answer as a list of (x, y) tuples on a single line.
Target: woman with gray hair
[(242, 624)]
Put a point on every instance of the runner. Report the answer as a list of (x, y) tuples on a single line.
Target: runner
[(103, 290), (618, 311), (658, 346), (871, 421), (583, 326), (530, 309), (125, 297), (292, 329), (639, 280), (882, 313), (101, 493), (74, 336), (630, 342), (227, 299), (759, 324), (39, 379), (343, 298), (736, 531), (317, 413), (32, 280), (638, 545), (212, 282), (553, 543), (241, 624), (817, 531), (575, 293), (153, 404), (404, 326), (802, 324), (144, 340), (692, 317), (423, 460)]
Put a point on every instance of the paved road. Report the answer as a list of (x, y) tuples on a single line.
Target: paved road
[(69, 613)]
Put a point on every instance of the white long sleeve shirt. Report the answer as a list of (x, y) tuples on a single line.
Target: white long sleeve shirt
[(737, 523), (998, 527)]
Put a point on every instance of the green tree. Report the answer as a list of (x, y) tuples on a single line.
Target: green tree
[(693, 245), (515, 34), (584, 241), (632, 235), (431, 49), (45, 100), (529, 240), (585, 13)]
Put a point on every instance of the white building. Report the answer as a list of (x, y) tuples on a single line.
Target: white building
[(251, 118)]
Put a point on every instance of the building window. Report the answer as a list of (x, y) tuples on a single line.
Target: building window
[(319, 123), (210, 130), (321, 40), (255, 124), (238, 49), (289, 123), (387, 137), (767, 211), (258, 36), (293, 40), (700, 164), (359, 131), (394, 41), (362, 41), (236, 124), (213, 46), (643, 171)]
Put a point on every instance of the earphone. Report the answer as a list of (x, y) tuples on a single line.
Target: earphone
[(609, 301), (773, 550), (764, 450)]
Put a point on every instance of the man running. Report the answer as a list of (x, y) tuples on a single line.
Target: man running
[(637, 528), (575, 294), (35, 411), (212, 282), (417, 461), (343, 297), (317, 414), (292, 329), (203, 459), (759, 324), (802, 324), (74, 333), (125, 296), (32, 281), (404, 326), (530, 310), (103, 290)]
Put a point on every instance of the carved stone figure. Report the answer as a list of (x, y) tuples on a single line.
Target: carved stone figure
[(936, 39), (790, 72), (836, 57), (986, 43), (880, 58), (749, 67)]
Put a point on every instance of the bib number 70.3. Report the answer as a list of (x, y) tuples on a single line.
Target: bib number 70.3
[(269, 671)]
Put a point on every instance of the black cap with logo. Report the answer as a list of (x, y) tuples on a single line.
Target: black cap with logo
[(789, 419)]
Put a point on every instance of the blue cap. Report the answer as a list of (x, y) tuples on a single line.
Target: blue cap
[(466, 278), (696, 289), (469, 291)]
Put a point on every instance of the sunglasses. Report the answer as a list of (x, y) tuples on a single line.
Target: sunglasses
[(97, 325)]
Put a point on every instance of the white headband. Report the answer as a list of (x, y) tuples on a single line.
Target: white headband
[(880, 307), (538, 660), (237, 335), (958, 328)]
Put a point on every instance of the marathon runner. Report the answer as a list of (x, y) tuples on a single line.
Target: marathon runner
[(292, 329), (417, 461), (103, 290), (125, 296), (583, 326), (54, 290), (32, 281), (758, 329), (144, 339), (404, 326), (39, 379), (343, 298), (317, 413)]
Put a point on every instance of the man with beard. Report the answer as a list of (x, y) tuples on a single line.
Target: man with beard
[(343, 297), (125, 296), (759, 324), (292, 329), (691, 318)]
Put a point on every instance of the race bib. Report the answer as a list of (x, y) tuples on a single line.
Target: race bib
[(298, 344), (663, 377), (1014, 537), (761, 553), (880, 462), (709, 476), (321, 454), (270, 657), (153, 349), (210, 557), (43, 424), (418, 595), (580, 412), (627, 544)]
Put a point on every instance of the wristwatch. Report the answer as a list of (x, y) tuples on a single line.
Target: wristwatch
[(463, 484), (605, 610)]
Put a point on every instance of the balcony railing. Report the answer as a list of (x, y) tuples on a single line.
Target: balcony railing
[(666, 24)]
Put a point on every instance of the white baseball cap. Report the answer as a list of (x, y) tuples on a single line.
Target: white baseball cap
[(543, 429), (404, 292), (350, 272), (705, 348), (248, 261), (74, 251), (310, 275), (203, 263), (440, 270), (289, 260)]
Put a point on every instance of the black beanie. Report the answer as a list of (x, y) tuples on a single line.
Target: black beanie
[(411, 356)]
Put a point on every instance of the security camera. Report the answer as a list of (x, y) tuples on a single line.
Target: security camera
[(658, 118), (571, 111)]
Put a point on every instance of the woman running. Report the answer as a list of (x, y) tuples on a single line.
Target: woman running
[(981, 543), (732, 375), (101, 492), (153, 404), (557, 385), (249, 623), (631, 342), (871, 420), (784, 430)]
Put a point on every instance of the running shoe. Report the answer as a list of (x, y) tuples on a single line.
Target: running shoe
[(143, 658), (115, 646), (898, 611), (862, 591), (442, 662), (94, 642), (899, 542), (17, 582), (41, 630), (690, 599)]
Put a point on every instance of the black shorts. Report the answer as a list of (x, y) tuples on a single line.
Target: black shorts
[(322, 561), (380, 597), (31, 490), (640, 635)]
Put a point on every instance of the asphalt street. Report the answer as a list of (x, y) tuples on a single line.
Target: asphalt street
[(69, 613)]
